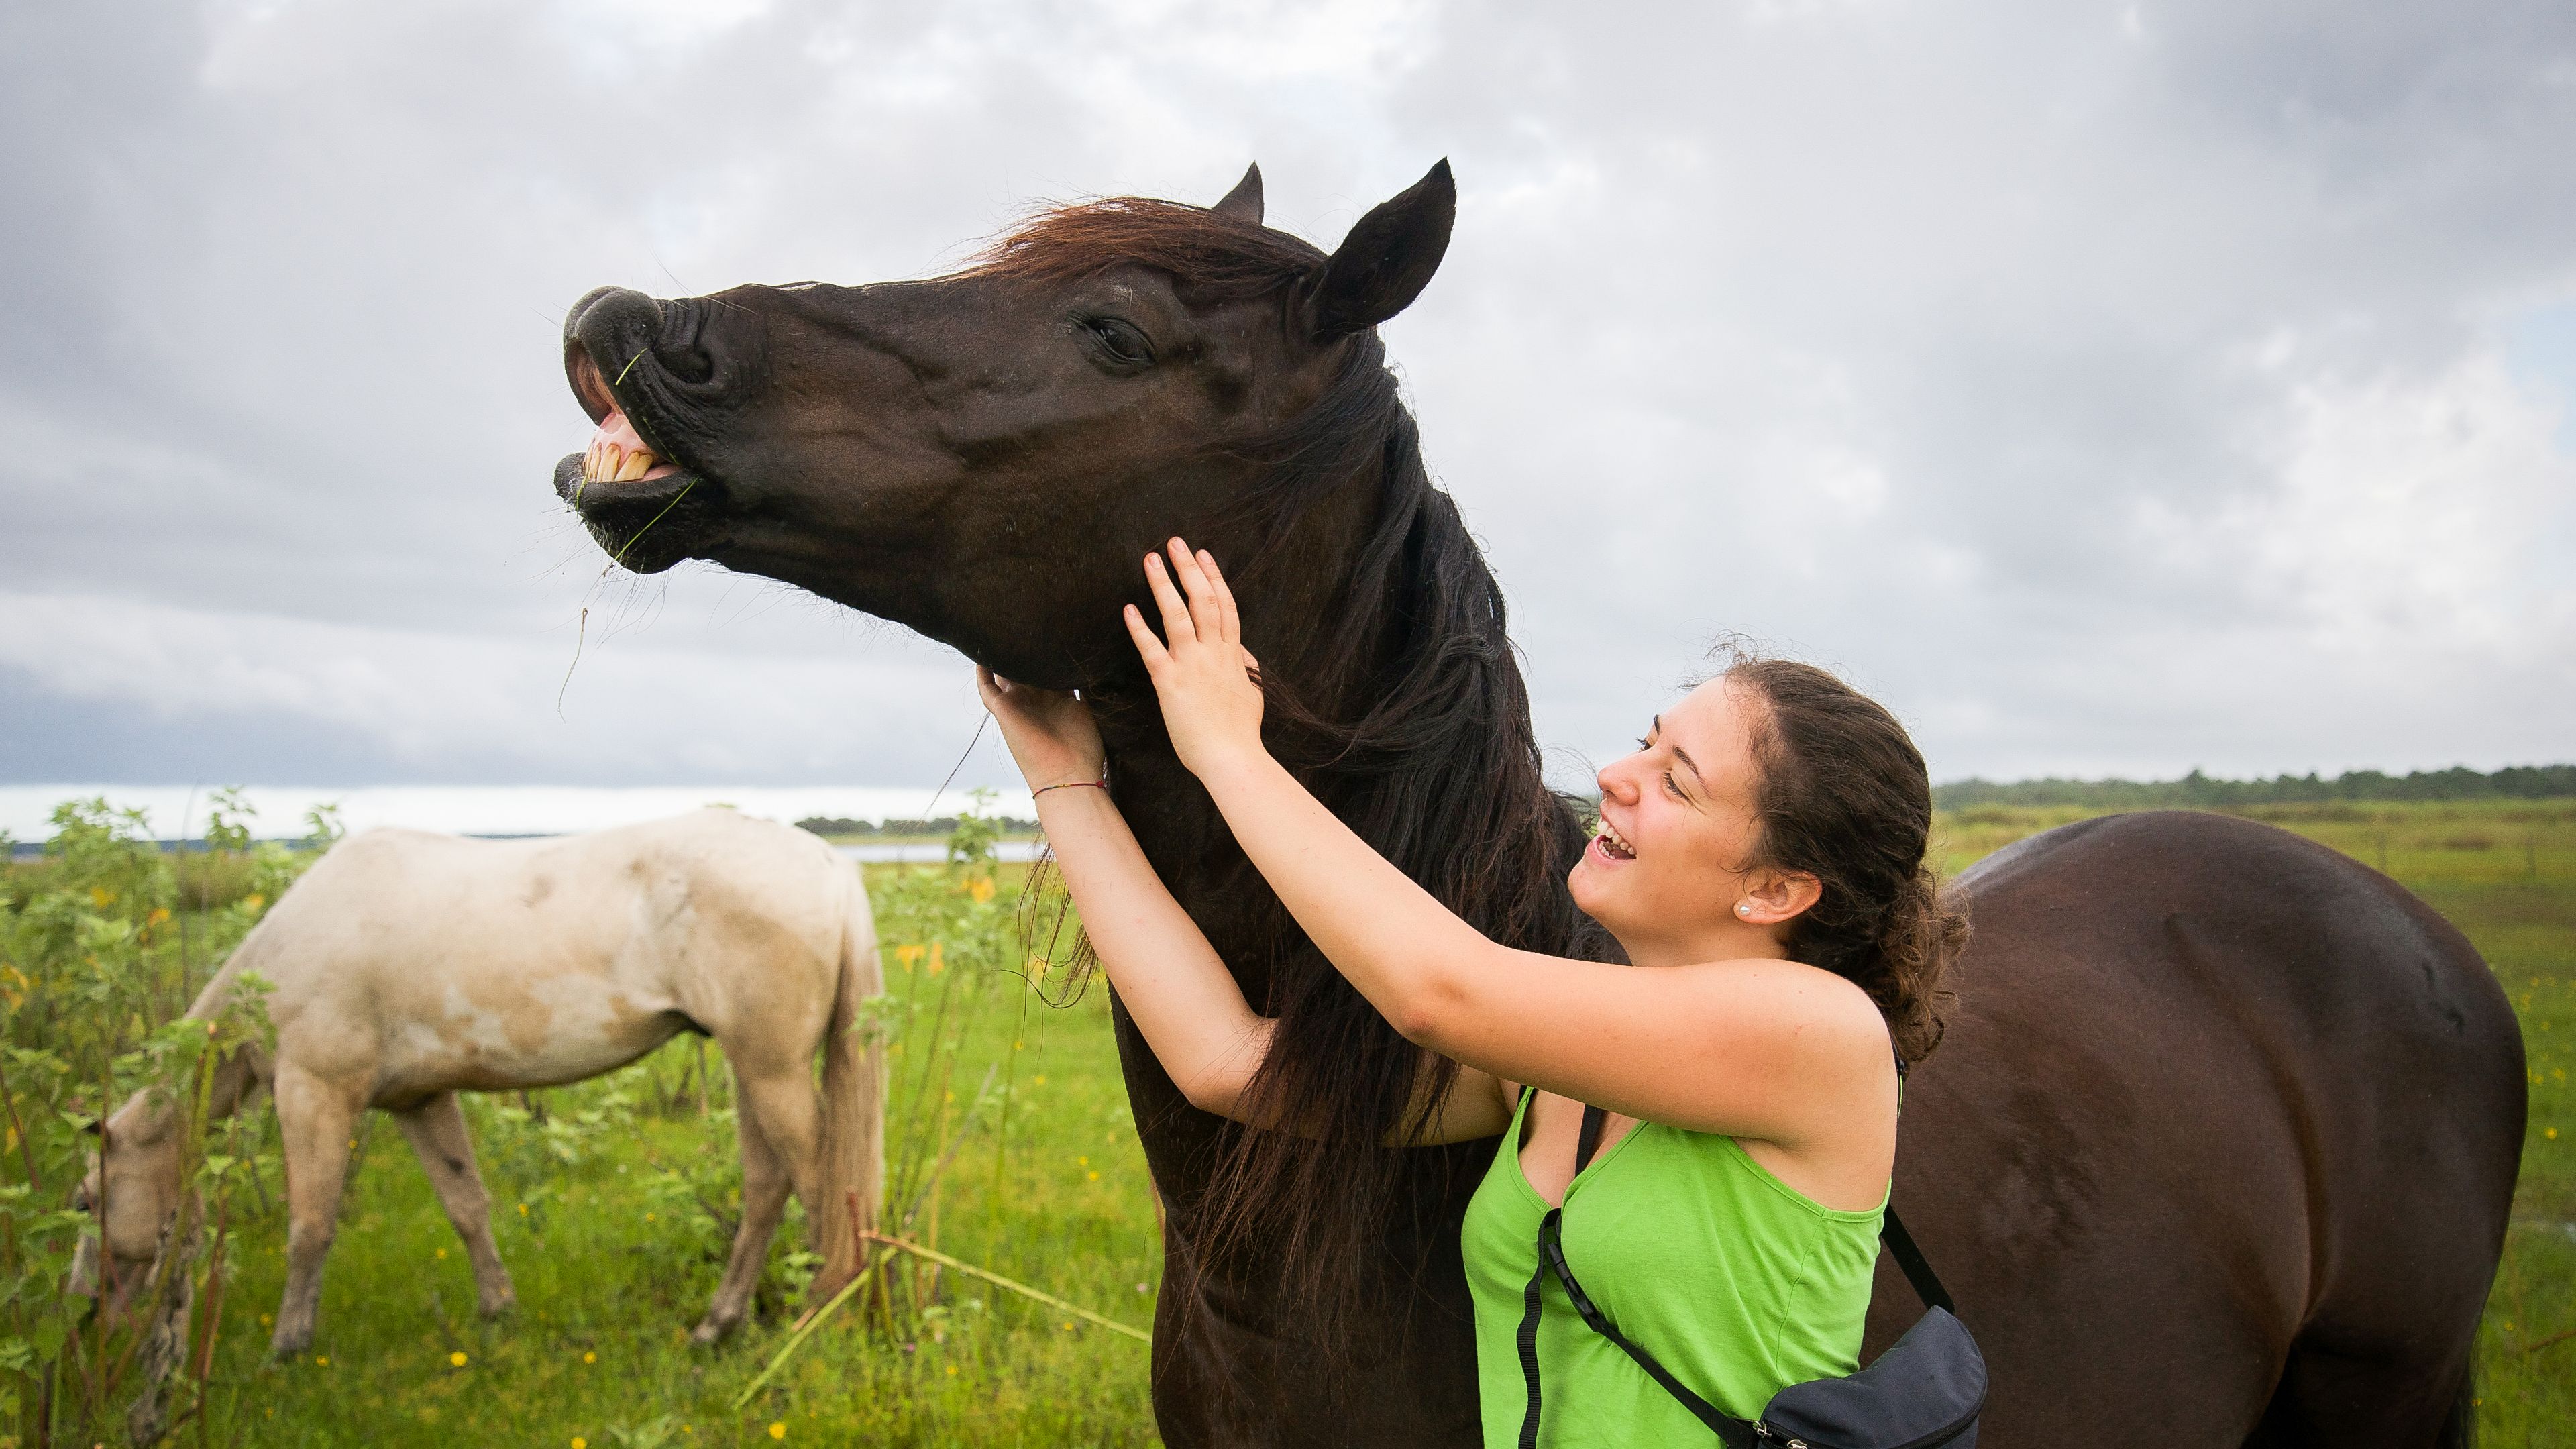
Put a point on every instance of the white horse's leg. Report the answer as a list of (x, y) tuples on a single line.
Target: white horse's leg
[(774, 1115), (314, 1117), (437, 1132)]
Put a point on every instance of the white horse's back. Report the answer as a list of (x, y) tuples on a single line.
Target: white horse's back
[(436, 963)]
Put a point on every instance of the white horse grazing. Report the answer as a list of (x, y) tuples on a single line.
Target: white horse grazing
[(408, 967)]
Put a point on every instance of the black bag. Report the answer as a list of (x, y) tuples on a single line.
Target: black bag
[(1923, 1393)]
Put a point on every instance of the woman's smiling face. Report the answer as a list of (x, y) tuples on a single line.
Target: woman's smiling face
[(1667, 870)]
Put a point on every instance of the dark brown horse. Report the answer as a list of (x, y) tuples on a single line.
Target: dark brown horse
[(2220, 1148)]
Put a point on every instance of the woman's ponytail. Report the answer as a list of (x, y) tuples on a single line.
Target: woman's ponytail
[(1845, 798)]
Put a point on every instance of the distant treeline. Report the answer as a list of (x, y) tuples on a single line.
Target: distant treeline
[(828, 825), (2517, 782)]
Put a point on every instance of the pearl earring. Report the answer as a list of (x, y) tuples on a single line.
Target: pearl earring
[(1744, 908)]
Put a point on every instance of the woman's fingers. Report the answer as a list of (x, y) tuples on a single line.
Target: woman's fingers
[(1227, 619), (1178, 627), (1205, 613), (1156, 656)]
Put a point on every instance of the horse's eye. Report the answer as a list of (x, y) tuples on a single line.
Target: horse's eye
[(1119, 341)]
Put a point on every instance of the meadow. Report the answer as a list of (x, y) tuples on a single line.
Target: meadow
[(1010, 1147)]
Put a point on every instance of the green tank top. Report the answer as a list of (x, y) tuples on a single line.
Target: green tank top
[(1734, 1281)]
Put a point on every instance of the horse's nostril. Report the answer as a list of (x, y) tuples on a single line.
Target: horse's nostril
[(690, 363)]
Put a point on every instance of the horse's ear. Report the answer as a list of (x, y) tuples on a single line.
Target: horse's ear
[(1387, 259), (1243, 203)]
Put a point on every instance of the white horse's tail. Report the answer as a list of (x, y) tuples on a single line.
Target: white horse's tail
[(853, 1136)]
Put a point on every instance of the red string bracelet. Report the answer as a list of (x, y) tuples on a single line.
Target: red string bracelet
[(1067, 785)]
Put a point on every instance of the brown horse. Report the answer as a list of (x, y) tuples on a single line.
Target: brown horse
[(2221, 1146)]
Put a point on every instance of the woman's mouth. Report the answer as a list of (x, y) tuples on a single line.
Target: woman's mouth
[(1612, 844)]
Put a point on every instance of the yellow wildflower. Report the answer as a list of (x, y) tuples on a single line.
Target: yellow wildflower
[(456, 1360), (579, 1442), (981, 888), (907, 954), (321, 1361), (777, 1429), (442, 1254), (938, 957), (590, 1358)]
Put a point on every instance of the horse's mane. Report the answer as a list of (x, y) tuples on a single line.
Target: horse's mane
[(1405, 713)]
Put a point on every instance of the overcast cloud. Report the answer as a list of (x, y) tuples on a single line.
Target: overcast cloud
[(2110, 387)]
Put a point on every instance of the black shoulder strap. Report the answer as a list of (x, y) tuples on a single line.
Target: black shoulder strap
[(1918, 1269)]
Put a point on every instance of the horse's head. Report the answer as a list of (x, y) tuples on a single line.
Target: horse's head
[(986, 456), (129, 1191)]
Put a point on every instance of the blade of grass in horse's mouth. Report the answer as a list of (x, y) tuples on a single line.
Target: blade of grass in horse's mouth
[(618, 454)]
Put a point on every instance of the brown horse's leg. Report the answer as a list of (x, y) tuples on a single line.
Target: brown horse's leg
[(314, 1117), (766, 1118), (2388, 1400), (437, 1132)]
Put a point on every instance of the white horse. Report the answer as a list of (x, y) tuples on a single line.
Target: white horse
[(407, 967)]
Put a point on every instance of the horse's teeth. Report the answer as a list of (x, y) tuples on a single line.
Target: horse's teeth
[(635, 466)]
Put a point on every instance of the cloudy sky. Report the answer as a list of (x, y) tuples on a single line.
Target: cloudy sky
[(2113, 388)]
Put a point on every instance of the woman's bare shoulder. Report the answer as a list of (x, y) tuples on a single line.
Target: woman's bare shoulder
[(1794, 998)]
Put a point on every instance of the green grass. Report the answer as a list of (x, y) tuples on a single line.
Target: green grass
[(597, 1352)]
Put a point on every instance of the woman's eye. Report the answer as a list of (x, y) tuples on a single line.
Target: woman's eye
[(1673, 785)]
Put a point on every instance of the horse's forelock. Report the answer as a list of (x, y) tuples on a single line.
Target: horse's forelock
[(1206, 253)]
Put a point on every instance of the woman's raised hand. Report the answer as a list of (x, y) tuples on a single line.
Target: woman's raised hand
[(1052, 736), (1209, 684)]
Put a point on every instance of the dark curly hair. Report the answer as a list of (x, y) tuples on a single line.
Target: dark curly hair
[(1844, 797)]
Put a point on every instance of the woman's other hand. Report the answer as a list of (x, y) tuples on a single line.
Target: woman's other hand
[(1051, 734), (1209, 684)]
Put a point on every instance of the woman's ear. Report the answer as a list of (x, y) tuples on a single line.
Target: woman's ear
[(1772, 897)]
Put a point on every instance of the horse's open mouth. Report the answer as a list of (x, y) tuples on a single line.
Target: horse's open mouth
[(618, 454), (618, 451), (626, 486)]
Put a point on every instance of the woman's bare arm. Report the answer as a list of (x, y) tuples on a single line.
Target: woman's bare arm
[(1171, 980)]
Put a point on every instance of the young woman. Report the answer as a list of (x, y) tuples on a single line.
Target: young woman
[(1761, 858)]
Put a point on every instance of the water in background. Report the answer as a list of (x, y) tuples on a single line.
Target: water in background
[(179, 811)]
